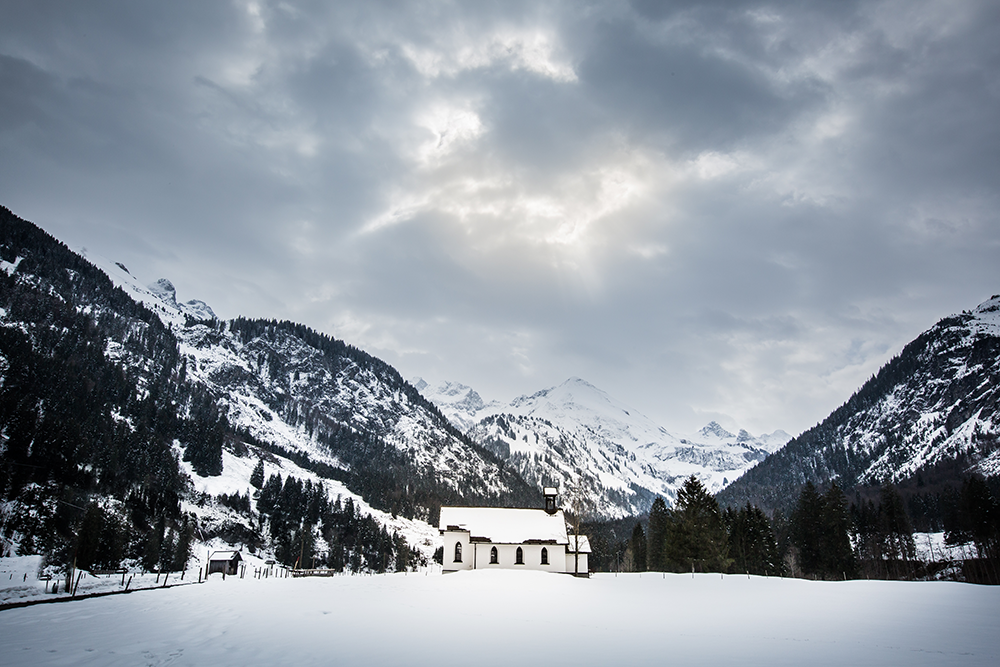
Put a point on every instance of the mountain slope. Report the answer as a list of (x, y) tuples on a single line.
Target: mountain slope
[(118, 398), (936, 403)]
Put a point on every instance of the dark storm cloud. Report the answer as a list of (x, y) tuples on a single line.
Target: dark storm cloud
[(710, 209)]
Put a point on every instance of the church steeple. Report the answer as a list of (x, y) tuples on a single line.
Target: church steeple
[(550, 499)]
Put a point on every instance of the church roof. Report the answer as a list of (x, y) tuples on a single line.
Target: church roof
[(505, 525)]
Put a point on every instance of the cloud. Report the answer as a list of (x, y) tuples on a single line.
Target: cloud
[(705, 208)]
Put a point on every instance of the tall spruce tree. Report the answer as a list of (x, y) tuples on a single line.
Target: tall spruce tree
[(807, 530), (696, 537), (836, 555), (659, 520), (752, 544), (638, 546), (257, 476), (894, 526), (974, 517)]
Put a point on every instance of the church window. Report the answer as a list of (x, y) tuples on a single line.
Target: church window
[(545, 556), (458, 552), (494, 560), (520, 557)]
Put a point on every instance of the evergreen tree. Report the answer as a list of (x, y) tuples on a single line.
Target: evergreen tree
[(697, 538), (897, 534), (151, 553), (269, 494), (182, 552), (807, 530), (975, 517), (836, 555), (868, 539), (167, 548), (257, 476), (638, 546), (752, 544), (89, 537), (656, 546)]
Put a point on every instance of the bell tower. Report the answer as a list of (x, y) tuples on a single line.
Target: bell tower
[(550, 499)]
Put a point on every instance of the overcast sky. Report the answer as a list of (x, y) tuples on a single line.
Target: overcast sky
[(711, 210)]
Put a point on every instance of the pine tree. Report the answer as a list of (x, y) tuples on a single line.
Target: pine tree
[(974, 517), (836, 555), (89, 537), (807, 529), (182, 552), (656, 545), (167, 548), (638, 546), (697, 538), (269, 494), (257, 476), (151, 553), (752, 544), (894, 525)]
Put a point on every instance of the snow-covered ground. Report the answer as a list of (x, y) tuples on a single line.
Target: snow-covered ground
[(504, 618), (19, 580), (932, 549)]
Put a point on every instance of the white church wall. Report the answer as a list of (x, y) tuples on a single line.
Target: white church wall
[(448, 563), (507, 556), (570, 565)]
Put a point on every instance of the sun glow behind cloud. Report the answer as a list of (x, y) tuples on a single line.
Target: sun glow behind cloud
[(564, 222)]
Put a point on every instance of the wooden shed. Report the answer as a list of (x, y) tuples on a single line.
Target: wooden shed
[(227, 562)]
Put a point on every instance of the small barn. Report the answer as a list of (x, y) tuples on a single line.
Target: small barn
[(227, 562)]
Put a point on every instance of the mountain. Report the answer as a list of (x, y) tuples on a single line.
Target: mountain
[(124, 412), (459, 403), (607, 458), (932, 410)]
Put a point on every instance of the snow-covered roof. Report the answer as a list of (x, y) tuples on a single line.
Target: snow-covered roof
[(550, 491), (506, 525), (584, 544), (224, 555)]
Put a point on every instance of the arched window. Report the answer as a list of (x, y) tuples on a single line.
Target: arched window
[(520, 557), (494, 560), (458, 552), (545, 556)]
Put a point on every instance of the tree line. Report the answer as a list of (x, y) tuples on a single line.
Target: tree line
[(825, 537)]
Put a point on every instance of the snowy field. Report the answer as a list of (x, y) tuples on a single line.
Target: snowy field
[(509, 618)]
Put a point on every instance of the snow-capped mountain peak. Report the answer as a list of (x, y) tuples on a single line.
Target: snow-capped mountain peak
[(714, 430), (987, 317), (458, 402), (164, 290), (597, 450)]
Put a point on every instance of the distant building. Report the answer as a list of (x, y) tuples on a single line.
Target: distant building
[(483, 538), (227, 562)]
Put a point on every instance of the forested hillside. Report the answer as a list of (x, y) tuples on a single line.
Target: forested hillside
[(111, 411), (931, 411)]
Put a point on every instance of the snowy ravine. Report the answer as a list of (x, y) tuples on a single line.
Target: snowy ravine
[(504, 617), (607, 458)]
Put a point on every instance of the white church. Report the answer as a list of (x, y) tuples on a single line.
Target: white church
[(482, 538)]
